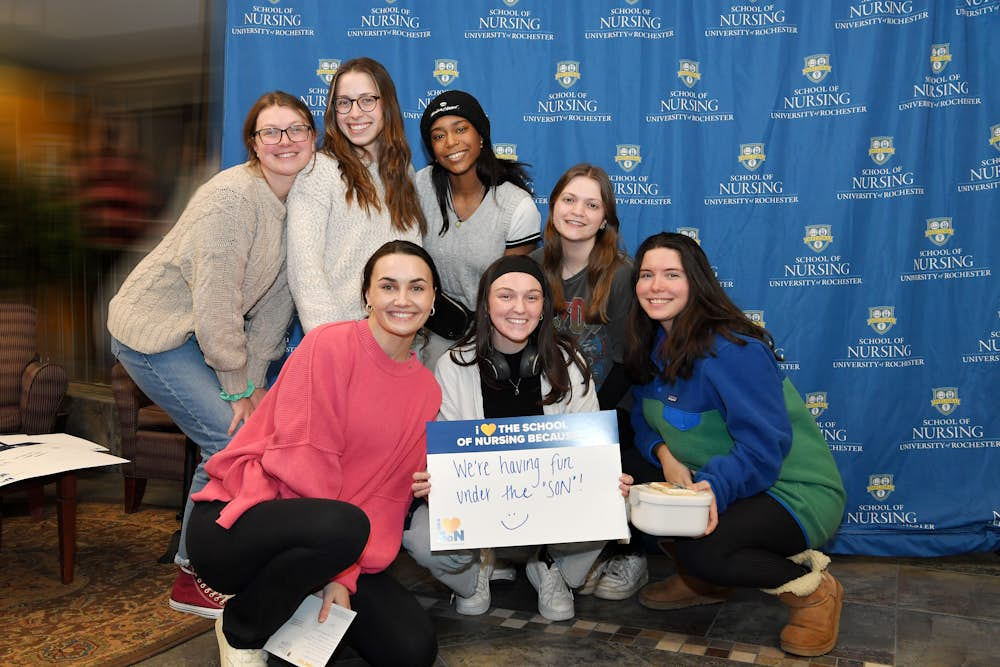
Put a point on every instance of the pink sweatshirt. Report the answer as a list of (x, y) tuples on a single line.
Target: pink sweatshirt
[(343, 421)]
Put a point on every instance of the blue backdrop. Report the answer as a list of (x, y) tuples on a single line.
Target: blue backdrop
[(839, 161)]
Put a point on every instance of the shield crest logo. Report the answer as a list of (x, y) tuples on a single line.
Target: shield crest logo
[(995, 136), (688, 72), (445, 71), (690, 232), (945, 399), (505, 151), (327, 68), (567, 73), (816, 403), (940, 57), (881, 150), (939, 230), (818, 237), (880, 486), (627, 156), (510, 3), (881, 318), (752, 156), (817, 66), (756, 316)]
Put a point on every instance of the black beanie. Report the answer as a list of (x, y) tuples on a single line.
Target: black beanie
[(454, 103)]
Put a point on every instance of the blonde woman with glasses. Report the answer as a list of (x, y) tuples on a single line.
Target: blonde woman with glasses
[(359, 195)]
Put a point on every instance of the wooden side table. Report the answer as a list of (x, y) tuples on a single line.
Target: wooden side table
[(66, 512)]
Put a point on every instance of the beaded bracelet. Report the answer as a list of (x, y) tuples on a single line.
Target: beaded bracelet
[(235, 397)]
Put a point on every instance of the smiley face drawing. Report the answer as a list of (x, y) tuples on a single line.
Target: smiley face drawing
[(513, 520)]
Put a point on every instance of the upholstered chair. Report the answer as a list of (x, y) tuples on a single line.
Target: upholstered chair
[(151, 441)]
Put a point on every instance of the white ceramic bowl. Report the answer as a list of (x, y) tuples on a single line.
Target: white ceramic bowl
[(659, 509)]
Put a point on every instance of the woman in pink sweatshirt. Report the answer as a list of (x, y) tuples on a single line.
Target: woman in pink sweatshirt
[(311, 494)]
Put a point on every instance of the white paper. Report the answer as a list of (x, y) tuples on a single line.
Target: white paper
[(27, 456), (523, 481), (306, 642)]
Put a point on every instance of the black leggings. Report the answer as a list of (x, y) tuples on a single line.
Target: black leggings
[(749, 547), (279, 551)]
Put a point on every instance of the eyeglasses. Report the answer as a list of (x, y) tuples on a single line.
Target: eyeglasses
[(272, 135), (343, 105)]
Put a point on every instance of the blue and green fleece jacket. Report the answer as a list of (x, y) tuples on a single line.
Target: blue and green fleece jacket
[(741, 426)]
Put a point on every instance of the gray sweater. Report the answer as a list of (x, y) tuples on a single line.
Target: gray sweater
[(219, 274)]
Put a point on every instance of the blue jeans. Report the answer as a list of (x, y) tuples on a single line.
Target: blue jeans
[(187, 389)]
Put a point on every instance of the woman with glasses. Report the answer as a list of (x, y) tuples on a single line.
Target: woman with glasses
[(478, 207), (358, 195), (199, 320)]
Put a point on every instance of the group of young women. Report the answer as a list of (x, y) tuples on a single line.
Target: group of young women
[(306, 487)]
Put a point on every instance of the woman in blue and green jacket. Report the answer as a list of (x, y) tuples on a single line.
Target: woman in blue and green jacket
[(714, 410)]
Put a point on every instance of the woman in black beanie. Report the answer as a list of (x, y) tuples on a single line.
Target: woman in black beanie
[(478, 207)]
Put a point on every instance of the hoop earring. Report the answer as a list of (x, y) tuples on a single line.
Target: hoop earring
[(432, 311)]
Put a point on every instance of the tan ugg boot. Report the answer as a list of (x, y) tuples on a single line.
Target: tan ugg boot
[(814, 602), (680, 591)]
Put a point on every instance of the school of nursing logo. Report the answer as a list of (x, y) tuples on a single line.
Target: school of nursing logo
[(816, 403), (939, 230), (881, 318), (445, 71), (450, 530), (752, 20), (756, 316), (945, 399), (986, 175), (688, 72), (505, 151), (881, 150), (817, 67), (752, 156), (880, 486), (690, 232), (627, 156), (818, 237), (327, 68), (567, 73), (995, 136), (940, 57)]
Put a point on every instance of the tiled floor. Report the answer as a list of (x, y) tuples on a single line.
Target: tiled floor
[(908, 612)]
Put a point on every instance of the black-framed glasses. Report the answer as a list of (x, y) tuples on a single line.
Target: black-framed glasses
[(343, 105), (272, 135)]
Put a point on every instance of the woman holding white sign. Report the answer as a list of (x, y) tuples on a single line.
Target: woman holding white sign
[(512, 363), (302, 501), (717, 413)]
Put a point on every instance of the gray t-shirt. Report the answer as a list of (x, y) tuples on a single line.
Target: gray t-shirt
[(602, 344), (506, 218)]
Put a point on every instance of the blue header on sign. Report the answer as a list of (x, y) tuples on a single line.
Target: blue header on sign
[(587, 429)]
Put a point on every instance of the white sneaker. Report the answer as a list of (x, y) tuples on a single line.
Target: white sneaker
[(503, 570), (623, 576), (555, 600), (478, 603), (593, 578), (237, 657)]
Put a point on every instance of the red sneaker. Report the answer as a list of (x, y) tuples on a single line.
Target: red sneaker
[(193, 596)]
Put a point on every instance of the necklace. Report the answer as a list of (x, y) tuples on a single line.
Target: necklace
[(516, 386)]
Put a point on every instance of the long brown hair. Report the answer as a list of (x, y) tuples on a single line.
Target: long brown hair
[(605, 257), (554, 347), (275, 98), (393, 157), (709, 312)]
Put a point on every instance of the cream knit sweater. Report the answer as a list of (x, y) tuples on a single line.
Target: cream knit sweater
[(329, 242), (219, 274)]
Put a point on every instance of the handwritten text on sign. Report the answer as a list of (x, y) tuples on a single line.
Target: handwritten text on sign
[(527, 480)]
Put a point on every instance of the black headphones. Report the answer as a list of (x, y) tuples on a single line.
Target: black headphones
[(498, 369)]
